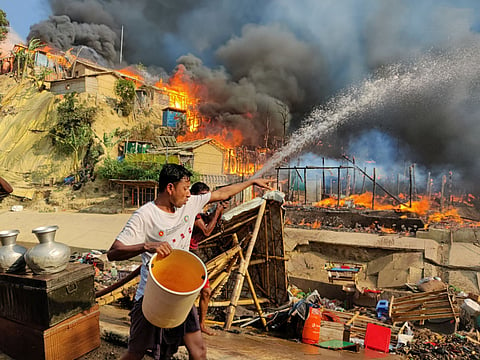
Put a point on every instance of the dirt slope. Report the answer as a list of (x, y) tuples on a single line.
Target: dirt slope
[(27, 157)]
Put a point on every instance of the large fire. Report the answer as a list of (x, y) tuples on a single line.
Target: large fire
[(186, 95), (425, 208), (365, 200)]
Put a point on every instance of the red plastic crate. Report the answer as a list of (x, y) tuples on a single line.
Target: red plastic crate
[(377, 337)]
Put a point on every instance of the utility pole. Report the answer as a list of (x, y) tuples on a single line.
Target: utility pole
[(121, 46)]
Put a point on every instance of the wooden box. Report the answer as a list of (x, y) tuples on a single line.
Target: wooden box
[(42, 301), (67, 340), (330, 330)]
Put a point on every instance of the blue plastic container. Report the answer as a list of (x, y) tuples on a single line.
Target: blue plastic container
[(382, 309)]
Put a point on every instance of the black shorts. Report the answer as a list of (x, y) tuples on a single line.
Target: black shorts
[(163, 342)]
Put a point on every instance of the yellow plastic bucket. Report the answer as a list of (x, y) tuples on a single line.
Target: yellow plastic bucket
[(173, 284)]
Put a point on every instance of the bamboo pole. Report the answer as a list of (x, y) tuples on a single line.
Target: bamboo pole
[(243, 267), (242, 302), (222, 259), (250, 285), (227, 229), (218, 288), (266, 272)]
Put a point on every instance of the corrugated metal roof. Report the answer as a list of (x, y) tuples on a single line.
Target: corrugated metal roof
[(164, 141), (193, 144), (196, 143)]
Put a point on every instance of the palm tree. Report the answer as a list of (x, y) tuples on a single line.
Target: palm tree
[(33, 44)]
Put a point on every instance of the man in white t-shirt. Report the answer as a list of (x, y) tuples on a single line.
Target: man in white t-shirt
[(158, 227)]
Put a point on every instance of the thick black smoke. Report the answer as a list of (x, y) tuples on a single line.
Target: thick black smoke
[(260, 57)]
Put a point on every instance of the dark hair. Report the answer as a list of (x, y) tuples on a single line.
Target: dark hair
[(198, 187), (171, 174)]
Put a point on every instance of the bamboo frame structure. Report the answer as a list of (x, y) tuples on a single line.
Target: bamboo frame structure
[(257, 236), (244, 261)]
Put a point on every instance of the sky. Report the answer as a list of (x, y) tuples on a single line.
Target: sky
[(22, 14)]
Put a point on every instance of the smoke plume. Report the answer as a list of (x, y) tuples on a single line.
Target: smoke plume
[(258, 58)]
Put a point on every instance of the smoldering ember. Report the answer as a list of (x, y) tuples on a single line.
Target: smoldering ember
[(363, 117)]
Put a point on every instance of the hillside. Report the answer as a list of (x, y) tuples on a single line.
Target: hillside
[(27, 157)]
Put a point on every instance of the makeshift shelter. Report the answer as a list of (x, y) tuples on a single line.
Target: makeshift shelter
[(140, 191), (248, 245)]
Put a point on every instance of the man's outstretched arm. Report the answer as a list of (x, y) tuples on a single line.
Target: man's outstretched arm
[(228, 191)]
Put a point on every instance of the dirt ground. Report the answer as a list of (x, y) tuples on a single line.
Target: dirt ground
[(98, 196)]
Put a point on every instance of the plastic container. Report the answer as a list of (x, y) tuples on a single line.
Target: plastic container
[(471, 307), (382, 309), (311, 329), (173, 284)]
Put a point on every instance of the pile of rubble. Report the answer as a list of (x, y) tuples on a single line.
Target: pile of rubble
[(432, 320), (114, 281), (441, 323), (430, 345)]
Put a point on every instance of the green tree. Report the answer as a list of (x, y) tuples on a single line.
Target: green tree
[(25, 57), (33, 44), (73, 134), (4, 24), (41, 76), (125, 90)]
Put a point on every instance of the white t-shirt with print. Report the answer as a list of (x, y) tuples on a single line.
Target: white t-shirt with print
[(150, 224)]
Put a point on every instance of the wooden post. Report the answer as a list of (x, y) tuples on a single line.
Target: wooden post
[(374, 185), (410, 189), (123, 198), (305, 184), (323, 179), (278, 171), (250, 285), (338, 187), (243, 267), (354, 176)]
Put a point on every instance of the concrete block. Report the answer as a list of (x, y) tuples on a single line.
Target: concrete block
[(402, 261), (463, 280), (439, 235), (430, 270), (415, 275), (389, 278), (396, 261), (377, 265), (464, 235)]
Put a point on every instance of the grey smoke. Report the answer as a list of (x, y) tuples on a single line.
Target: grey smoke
[(256, 57)]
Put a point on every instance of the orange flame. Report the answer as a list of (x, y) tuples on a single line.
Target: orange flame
[(133, 75), (186, 94), (365, 201), (449, 215)]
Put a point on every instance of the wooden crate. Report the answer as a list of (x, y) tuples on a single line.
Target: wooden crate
[(330, 330), (67, 340), (438, 304)]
